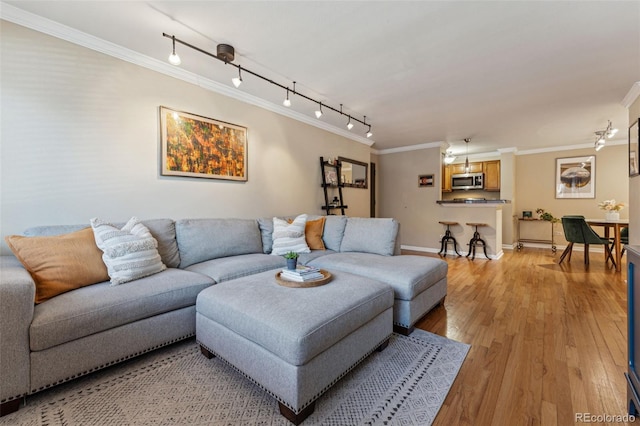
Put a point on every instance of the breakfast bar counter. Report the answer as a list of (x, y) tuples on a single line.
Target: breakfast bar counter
[(474, 210)]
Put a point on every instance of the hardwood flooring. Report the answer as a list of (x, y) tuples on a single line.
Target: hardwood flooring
[(548, 341)]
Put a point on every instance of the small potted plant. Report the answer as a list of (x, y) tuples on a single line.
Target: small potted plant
[(292, 260)]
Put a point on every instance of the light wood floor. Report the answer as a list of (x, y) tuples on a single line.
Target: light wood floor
[(547, 340)]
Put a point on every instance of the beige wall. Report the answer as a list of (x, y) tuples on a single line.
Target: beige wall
[(80, 138), (527, 180), (401, 198), (634, 187)]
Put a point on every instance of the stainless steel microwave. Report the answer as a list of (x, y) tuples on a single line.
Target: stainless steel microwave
[(467, 181)]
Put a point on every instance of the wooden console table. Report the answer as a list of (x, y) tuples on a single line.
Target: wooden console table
[(519, 240)]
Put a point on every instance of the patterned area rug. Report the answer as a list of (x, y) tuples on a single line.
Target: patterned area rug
[(405, 384)]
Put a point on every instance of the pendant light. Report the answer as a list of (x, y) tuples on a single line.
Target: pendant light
[(466, 161)]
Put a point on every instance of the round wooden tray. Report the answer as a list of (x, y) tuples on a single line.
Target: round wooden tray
[(297, 284)]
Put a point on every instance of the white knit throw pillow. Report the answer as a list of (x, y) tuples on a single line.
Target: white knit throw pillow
[(129, 253), (289, 236)]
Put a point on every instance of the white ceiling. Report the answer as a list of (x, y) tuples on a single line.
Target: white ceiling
[(521, 75)]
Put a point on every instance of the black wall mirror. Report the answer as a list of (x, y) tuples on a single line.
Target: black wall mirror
[(354, 173)]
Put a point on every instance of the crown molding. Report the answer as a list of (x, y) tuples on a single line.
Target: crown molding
[(38, 23), (633, 94), (417, 147), (590, 145)]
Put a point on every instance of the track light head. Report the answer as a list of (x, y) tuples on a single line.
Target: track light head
[(369, 134), (319, 110), (286, 101), (349, 124), (174, 59), (237, 81)]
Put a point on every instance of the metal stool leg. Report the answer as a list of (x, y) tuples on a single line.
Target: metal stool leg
[(474, 242)]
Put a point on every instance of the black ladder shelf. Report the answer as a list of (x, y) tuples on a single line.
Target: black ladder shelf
[(331, 179)]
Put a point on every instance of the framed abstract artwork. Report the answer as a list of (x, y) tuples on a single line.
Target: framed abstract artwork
[(196, 146), (634, 135), (576, 177)]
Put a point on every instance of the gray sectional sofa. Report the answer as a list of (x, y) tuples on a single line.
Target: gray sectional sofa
[(95, 326)]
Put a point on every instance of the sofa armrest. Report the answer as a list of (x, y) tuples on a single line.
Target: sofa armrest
[(17, 293)]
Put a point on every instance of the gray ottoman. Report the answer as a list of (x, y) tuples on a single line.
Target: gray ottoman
[(294, 342), (419, 282)]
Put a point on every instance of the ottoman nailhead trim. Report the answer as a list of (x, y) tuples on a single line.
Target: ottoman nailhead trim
[(316, 396)]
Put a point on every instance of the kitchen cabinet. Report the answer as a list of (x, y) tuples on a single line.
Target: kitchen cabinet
[(491, 170), (458, 169), (446, 178)]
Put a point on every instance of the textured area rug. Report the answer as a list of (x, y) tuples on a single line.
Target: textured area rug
[(405, 384)]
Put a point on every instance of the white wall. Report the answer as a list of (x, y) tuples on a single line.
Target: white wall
[(80, 138)]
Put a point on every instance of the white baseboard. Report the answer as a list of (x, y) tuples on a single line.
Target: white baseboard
[(451, 252)]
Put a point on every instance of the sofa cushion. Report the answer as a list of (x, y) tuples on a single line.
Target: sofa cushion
[(60, 263), (206, 239), (266, 233), (305, 258), (408, 275), (229, 268), (334, 231), (289, 236), (163, 230), (370, 235), (101, 307), (130, 253)]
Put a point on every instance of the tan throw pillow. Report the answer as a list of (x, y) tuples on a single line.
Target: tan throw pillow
[(129, 253), (60, 263), (313, 231)]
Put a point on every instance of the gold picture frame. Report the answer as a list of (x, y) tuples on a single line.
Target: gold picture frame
[(201, 147)]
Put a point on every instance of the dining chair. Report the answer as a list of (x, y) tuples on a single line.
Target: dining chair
[(577, 230), (624, 240)]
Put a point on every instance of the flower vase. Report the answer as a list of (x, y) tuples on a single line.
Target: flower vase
[(612, 215)]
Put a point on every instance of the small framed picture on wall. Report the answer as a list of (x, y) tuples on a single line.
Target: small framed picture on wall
[(425, 181)]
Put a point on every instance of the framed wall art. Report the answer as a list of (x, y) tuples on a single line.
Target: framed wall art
[(576, 177), (634, 135), (425, 181), (196, 146)]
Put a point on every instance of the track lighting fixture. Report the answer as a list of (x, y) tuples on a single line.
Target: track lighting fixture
[(369, 134), (237, 81), (448, 157), (226, 53), (466, 161), (349, 124), (286, 101), (607, 133), (174, 59)]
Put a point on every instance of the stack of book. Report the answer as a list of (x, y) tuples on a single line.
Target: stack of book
[(302, 274)]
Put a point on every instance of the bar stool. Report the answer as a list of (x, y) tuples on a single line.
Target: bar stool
[(477, 240), (447, 238)]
